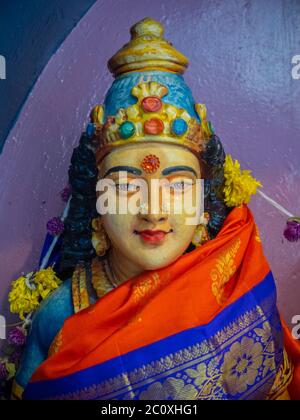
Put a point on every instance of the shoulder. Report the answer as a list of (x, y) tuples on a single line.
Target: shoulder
[(52, 313), (46, 323)]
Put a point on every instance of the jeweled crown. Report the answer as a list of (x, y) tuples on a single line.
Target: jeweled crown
[(152, 113)]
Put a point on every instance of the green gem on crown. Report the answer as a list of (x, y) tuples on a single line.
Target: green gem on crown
[(127, 129)]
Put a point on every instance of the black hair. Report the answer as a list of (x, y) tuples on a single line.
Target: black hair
[(77, 244), (214, 158)]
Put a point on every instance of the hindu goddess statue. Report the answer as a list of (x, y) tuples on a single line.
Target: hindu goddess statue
[(158, 308)]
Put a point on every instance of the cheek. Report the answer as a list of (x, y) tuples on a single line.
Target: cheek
[(118, 227), (187, 204), (182, 230)]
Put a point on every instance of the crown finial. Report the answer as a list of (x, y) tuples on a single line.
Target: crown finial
[(147, 27), (147, 50)]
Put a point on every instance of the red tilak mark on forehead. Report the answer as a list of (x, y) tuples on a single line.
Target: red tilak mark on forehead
[(150, 164)]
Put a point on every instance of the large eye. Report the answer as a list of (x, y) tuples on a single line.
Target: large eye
[(128, 187), (179, 186)]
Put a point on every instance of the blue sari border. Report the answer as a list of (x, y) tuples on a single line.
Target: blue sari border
[(128, 376)]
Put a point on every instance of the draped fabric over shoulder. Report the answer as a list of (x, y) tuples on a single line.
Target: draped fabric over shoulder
[(205, 327)]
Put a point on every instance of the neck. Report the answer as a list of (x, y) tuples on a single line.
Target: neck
[(122, 268)]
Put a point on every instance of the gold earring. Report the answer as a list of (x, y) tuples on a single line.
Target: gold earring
[(100, 239), (201, 234)]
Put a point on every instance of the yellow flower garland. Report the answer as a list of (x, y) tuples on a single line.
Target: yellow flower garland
[(28, 291), (239, 185)]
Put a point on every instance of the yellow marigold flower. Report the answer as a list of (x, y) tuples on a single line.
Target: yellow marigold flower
[(28, 291), (46, 281), (22, 299), (11, 369), (239, 185)]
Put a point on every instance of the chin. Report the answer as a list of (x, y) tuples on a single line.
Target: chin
[(155, 263)]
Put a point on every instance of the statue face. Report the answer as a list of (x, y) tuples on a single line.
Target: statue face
[(156, 236)]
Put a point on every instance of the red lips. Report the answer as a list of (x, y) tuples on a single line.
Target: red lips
[(152, 235)]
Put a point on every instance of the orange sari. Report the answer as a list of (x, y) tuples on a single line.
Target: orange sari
[(205, 327)]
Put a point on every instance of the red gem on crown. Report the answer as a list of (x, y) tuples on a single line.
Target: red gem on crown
[(151, 104), (153, 126)]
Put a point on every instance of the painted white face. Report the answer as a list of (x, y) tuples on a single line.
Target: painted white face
[(151, 239)]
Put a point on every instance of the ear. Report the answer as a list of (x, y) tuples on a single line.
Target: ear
[(96, 224)]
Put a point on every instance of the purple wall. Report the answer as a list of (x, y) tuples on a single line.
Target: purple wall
[(240, 66)]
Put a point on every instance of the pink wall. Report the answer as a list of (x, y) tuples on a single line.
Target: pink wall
[(240, 66)]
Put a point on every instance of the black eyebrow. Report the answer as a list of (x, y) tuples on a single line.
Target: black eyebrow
[(130, 169), (172, 169)]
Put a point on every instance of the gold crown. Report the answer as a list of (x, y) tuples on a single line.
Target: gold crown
[(150, 119)]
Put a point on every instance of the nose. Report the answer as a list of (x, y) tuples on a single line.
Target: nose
[(155, 210), (154, 215), (154, 218)]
